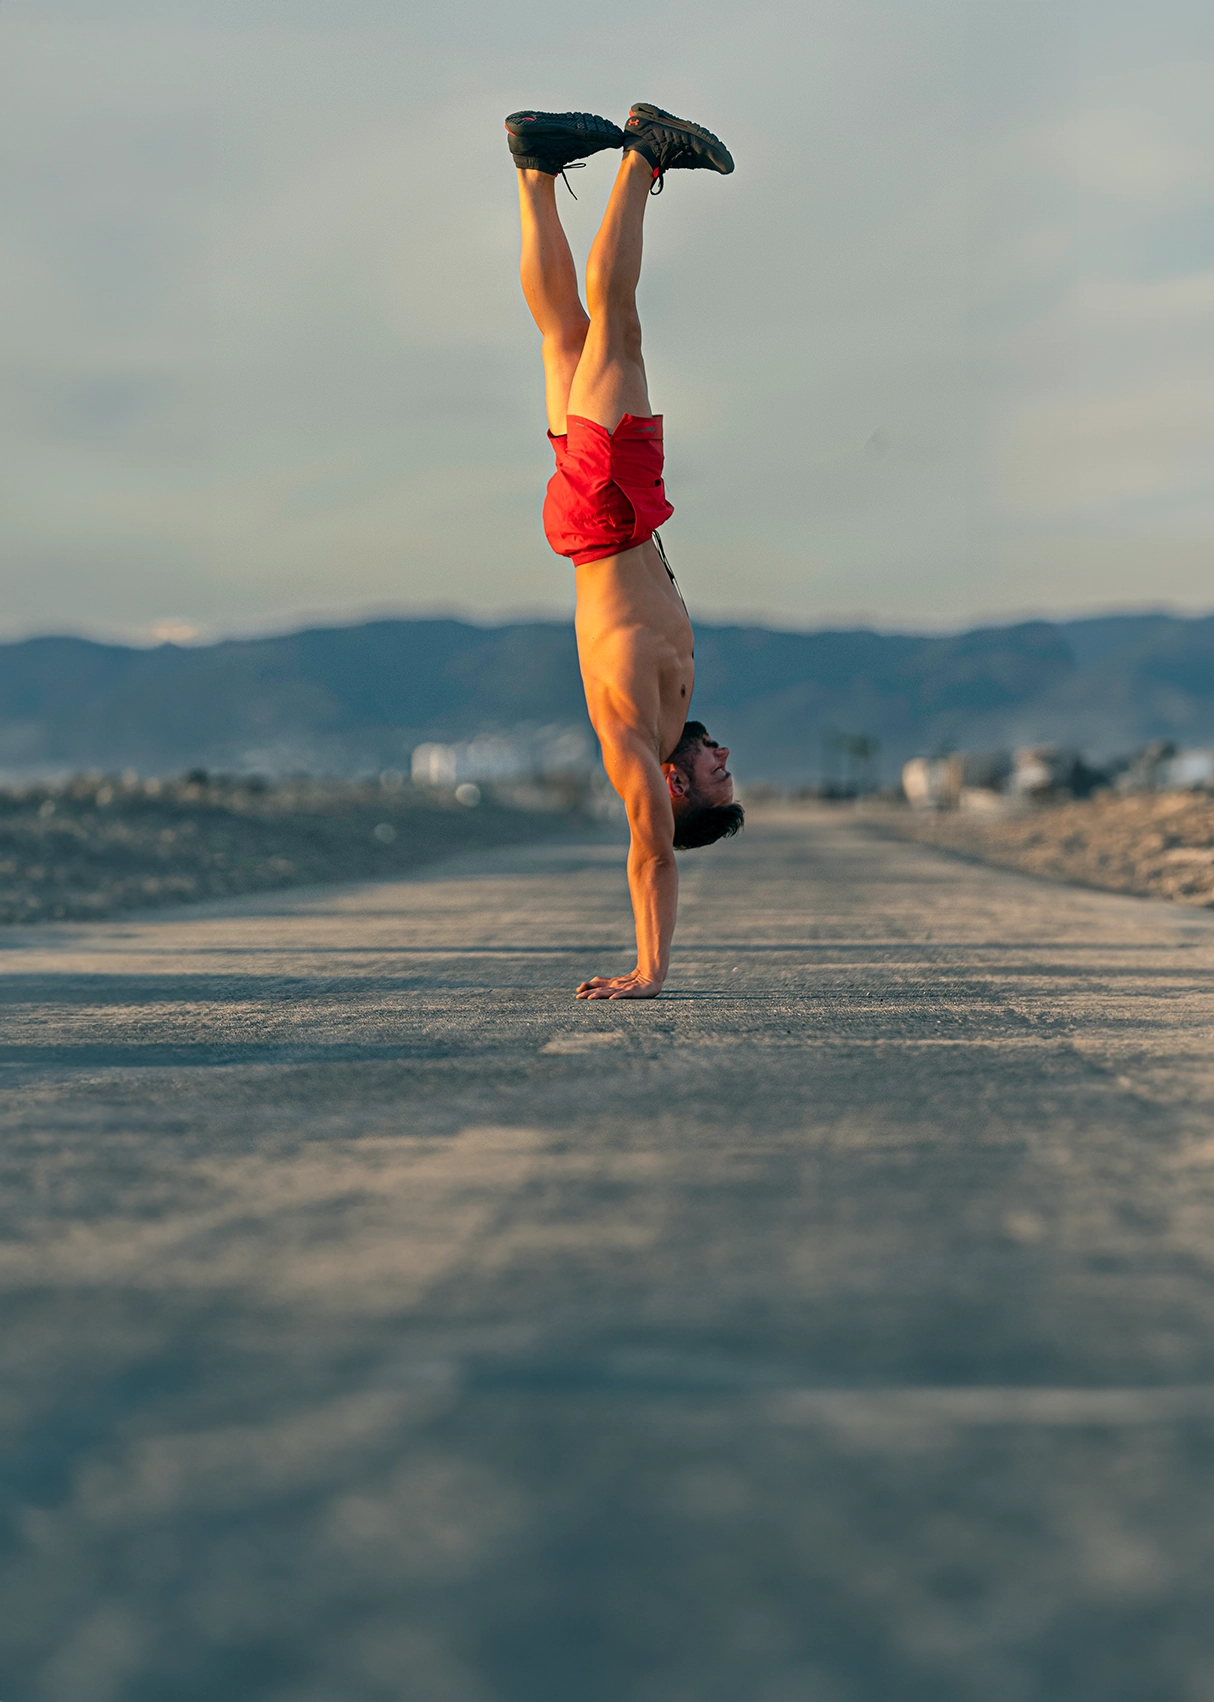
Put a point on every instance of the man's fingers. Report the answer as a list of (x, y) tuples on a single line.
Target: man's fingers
[(617, 987)]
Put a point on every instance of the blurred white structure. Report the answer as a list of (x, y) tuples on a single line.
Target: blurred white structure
[(943, 782), (925, 782), (1040, 769), (989, 801), (1190, 770), (549, 754), (994, 782), (434, 765)]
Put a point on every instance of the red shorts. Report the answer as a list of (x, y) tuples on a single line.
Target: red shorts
[(607, 493)]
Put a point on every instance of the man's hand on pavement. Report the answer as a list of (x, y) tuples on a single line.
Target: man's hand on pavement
[(634, 986)]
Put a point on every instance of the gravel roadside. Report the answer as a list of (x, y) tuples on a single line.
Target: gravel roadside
[(1156, 845), (91, 847)]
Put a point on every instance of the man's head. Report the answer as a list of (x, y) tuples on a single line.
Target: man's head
[(701, 789)]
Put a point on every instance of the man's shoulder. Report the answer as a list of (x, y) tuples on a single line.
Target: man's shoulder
[(620, 736)]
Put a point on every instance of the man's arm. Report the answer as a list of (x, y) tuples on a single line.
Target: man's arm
[(653, 874)]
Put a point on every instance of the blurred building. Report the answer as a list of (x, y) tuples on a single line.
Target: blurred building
[(994, 780)]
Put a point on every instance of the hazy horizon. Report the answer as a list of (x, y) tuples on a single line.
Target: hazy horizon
[(939, 355), (195, 640)]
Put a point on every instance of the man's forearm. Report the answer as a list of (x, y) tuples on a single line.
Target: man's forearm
[(653, 882)]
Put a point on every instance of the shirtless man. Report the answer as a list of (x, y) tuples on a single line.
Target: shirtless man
[(606, 499)]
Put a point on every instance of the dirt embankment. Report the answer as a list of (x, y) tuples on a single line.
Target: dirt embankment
[(92, 847), (1159, 845)]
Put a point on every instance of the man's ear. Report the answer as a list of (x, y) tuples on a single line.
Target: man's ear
[(676, 780)]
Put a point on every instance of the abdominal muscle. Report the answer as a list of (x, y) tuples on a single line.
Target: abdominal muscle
[(635, 646)]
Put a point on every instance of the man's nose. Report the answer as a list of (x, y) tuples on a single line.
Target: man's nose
[(722, 754)]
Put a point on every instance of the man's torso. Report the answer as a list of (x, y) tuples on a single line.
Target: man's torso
[(635, 646)]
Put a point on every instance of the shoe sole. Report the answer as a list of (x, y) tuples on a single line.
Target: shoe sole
[(717, 154), (518, 129)]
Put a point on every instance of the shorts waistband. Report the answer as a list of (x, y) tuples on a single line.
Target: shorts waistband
[(645, 427)]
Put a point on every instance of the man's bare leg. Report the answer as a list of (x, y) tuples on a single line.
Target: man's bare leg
[(549, 280), (609, 380)]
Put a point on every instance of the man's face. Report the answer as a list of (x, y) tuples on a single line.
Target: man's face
[(710, 779)]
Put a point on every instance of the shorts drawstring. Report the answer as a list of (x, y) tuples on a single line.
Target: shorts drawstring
[(657, 538)]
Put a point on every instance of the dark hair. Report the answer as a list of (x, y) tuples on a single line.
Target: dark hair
[(693, 733), (704, 824), (699, 823)]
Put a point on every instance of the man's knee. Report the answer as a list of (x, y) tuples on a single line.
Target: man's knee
[(619, 328), (607, 296), (626, 336), (567, 343)]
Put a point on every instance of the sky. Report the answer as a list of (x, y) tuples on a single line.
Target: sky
[(940, 351)]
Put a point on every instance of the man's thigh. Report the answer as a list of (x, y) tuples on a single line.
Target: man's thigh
[(562, 352), (610, 378)]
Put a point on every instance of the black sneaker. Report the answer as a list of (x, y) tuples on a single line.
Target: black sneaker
[(672, 144), (549, 141)]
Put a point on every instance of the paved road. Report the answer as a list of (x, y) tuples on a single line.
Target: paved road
[(383, 1326)]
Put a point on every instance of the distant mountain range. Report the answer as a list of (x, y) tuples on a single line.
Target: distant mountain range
[(345, 700)]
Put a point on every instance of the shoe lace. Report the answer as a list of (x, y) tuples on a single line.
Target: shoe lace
[(574, 165), (671, 155)]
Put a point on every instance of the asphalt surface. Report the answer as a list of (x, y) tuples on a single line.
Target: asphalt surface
[(381, 1325)]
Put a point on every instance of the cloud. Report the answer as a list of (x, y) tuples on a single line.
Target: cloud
[(1124, 154), (1116, 405)]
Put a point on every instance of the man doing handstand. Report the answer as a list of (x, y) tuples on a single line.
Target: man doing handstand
[(605, 500)]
